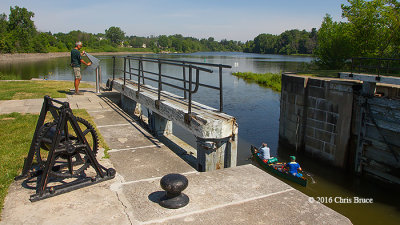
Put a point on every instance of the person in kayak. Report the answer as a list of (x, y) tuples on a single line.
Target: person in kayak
[(294, 167), (265, 154)]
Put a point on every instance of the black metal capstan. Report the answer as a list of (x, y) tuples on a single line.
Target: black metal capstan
[(174, 184), (64, 149)]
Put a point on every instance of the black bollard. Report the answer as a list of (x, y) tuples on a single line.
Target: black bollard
[(174, 184)]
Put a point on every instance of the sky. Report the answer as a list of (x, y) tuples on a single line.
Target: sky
[(222, 19)]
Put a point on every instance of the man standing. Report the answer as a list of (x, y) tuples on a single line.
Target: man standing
[(76, 60)]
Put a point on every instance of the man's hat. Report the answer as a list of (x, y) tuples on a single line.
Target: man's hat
[(292, 157)]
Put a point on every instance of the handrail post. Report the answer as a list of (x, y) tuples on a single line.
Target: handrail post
[(130, 70), (190, 90), (139, 68), (124, 71), (141, 63), (97, 81), (379, 67), (352, 65), (159, 80), (184, 81), (113, 70), (100, 80), (221, 97)]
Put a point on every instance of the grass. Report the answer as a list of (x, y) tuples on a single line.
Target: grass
[(321, 73), (269, 80), (14, 90), (16, 132)]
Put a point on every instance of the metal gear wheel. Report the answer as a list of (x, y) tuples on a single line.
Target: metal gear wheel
[(70, 156)]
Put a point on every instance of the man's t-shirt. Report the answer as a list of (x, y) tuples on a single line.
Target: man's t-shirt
[(75, 58), (293, 167), (265, 153)]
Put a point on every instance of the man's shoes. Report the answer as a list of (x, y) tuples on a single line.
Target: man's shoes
[(78, 93)]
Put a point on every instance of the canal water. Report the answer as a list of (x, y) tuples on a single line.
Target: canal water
[(257, 112)]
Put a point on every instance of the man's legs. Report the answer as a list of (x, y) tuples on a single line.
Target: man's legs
[(78, 78), (76, 84)]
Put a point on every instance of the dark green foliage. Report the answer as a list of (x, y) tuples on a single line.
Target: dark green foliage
[(334, 44), (178, 43), (287, 43), (372, 30), (115, 35)]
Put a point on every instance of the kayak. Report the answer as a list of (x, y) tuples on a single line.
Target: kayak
[(278, 169)]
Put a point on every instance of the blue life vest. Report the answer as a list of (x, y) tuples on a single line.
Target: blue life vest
[(293, 167)]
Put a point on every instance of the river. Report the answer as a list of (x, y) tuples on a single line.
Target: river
[(257, 112)]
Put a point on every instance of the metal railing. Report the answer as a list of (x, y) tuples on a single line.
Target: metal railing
[(134, 66), (377, 65)]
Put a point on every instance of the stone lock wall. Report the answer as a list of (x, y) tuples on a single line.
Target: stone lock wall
[(349, 123), (316, 116)]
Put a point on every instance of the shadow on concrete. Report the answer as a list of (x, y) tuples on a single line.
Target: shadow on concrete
[(156, 196), (65, 92), (113, 98), (179, 151)]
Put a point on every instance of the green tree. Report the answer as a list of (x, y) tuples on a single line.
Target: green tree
[(334, 44), (21, 28), (115, 35), (373, 25), (163, 41), (3, 32), (3, 23)]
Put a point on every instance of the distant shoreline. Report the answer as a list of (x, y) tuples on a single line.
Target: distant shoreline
[(41, 56)]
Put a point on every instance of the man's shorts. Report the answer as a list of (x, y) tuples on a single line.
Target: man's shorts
[(77, 73)]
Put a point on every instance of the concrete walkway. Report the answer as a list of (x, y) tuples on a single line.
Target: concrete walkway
[(240, 195)]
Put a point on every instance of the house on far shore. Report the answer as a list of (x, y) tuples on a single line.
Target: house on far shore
[(144, 45)]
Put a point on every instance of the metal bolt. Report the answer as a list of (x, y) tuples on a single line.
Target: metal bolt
[(174, 184)]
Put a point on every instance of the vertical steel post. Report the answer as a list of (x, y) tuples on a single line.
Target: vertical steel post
[(184, 81), (113, 70), (100, 80), (159, 80), (97, 81), (139, 63), (379, 67), (130, 69), (190, 90), (352, 65), (124, 71), (221, 97)]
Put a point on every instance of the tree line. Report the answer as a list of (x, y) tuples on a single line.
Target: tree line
[(287, 43), (18, 34), (372, 29)]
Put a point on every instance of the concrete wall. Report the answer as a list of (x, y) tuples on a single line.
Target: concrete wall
[(346, 122), (313, 111)]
